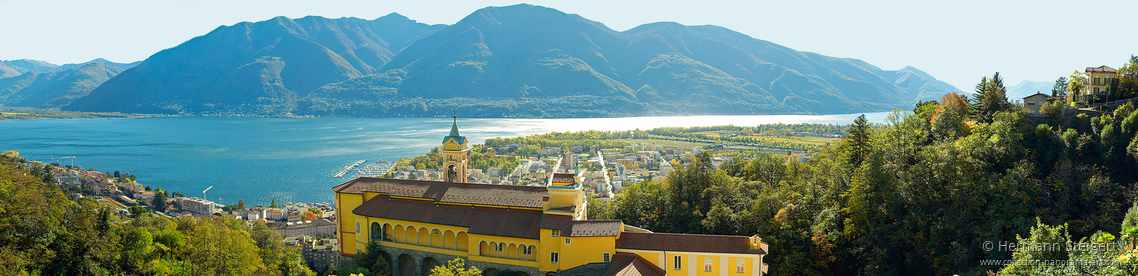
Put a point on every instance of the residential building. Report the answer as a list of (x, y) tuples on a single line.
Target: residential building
[(323, 228), (131, 187), (143, 195), (322, 254), (532, 230), (275, 214), (255, 213), (1034, 102), (195, 205), (68, 177), (1099, 79)]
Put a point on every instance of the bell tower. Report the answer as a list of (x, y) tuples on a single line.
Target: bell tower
[(454, 155)]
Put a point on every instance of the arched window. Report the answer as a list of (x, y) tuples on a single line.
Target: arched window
[(376, 231), (388, 233), (357, 227)]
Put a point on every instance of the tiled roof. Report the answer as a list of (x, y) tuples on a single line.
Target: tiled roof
[(686, 242), (593, 269), (627, 264), (563, 178), (466, 193), (1037, 94), (479, 220), (595, 228), (1101, 69), (299, 225), (564, 209), (581, 228)]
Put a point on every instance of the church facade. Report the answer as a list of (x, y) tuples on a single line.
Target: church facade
[(523, 230)]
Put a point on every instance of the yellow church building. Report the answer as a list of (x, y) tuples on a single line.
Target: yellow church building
[(523, 230)]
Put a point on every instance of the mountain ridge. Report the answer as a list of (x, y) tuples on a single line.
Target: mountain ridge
[(55, 88), (523, 59)]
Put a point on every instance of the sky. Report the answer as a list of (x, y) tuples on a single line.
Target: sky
[(956, 41)]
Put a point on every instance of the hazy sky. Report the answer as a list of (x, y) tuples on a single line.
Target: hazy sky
[(956, 41)]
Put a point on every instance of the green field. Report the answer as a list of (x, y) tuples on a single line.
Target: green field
[(665, 143), (809, 140)]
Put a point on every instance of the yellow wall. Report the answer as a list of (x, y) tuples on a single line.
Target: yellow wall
[(344, 206), (559, 198), (701, 262), (451, 240), (417, 234), (1104, 80), (513, 250), (748, 264), (585, 250), (548, 244), (722, 264)]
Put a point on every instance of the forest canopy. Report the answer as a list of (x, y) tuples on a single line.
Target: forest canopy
[(920, 194)]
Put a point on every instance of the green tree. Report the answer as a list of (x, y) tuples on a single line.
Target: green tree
[(159, 201), (991, 98), (599, 208), (137, 211), (1046, 243), (1077, 82), (857, 141), (274, 204), (373, 262), (1059, 90), (455, 267), (1052, 109), (1128, 77)]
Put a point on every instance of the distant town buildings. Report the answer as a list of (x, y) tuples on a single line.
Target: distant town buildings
[(195, 205), (321, 255), (316, 228)]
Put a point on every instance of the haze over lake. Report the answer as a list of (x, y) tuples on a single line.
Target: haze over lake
[(291, 159)]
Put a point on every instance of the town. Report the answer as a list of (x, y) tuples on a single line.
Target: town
[(307, 226)]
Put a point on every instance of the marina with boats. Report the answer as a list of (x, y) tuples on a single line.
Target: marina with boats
[(374, 169)]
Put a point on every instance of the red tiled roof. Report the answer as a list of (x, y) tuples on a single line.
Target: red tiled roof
[(581, 228), (627, 264), (466, 193), (686, 242), (479, 220)]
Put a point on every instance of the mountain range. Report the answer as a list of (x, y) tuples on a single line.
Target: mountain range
[(522, 60), (34, 83), (1028, 88)]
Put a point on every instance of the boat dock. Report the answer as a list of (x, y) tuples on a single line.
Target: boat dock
[(375, 169), (349, 168)]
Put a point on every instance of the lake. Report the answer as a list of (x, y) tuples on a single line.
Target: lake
[(291, 159)]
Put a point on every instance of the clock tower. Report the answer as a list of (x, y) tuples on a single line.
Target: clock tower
[(454, 155)]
